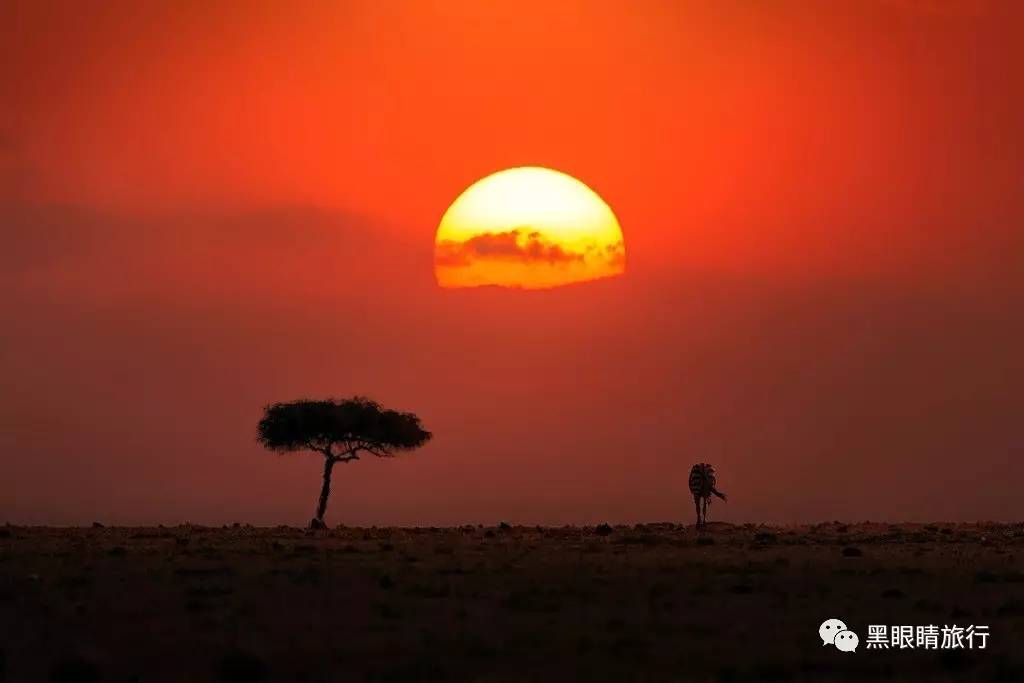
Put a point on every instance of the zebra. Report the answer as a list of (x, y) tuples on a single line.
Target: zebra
[(702, 486)]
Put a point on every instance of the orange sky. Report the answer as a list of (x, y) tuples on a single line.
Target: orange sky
[(210, 206)]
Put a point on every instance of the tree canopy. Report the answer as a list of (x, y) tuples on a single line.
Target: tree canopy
[(340, 429)]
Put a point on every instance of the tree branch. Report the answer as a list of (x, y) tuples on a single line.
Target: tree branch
[(376, 450)]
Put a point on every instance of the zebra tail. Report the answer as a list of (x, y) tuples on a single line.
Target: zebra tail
[(720, 494)]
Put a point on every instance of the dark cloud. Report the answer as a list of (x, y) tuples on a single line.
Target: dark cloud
[(520, 244), (616, 254)]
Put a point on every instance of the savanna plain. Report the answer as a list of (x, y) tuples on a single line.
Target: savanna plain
[(647, 602)]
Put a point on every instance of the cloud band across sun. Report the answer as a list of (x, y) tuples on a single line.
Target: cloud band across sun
[(527, 228)]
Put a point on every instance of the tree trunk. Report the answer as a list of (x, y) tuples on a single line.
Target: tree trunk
[(325, 491)]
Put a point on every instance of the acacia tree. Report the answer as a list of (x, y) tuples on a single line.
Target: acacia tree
[(340, 431)]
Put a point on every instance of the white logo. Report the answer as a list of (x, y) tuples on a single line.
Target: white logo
[(828, 630), (847, 641), (834, 632)]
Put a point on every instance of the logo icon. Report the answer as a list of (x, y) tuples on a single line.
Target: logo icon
[(847, 641), (835, 632)]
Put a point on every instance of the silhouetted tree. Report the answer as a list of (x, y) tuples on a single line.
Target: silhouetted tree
[(340, 431)]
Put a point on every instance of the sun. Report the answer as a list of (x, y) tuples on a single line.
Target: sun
[(528, 227)]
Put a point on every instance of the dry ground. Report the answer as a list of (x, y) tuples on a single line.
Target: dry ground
[(650, 602)]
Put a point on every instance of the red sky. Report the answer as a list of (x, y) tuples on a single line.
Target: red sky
[(206, 207)]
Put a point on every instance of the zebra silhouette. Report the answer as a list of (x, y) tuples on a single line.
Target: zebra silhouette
[(702, 486)]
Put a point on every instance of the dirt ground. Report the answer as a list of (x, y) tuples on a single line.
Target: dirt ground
[(655, 602)]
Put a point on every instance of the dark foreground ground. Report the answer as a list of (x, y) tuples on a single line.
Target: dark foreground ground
[(651, 602)]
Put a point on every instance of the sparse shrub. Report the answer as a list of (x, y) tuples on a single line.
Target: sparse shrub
[(852, 551), (603, 529)]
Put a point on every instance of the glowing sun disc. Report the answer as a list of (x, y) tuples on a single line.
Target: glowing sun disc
[(528, 227)]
